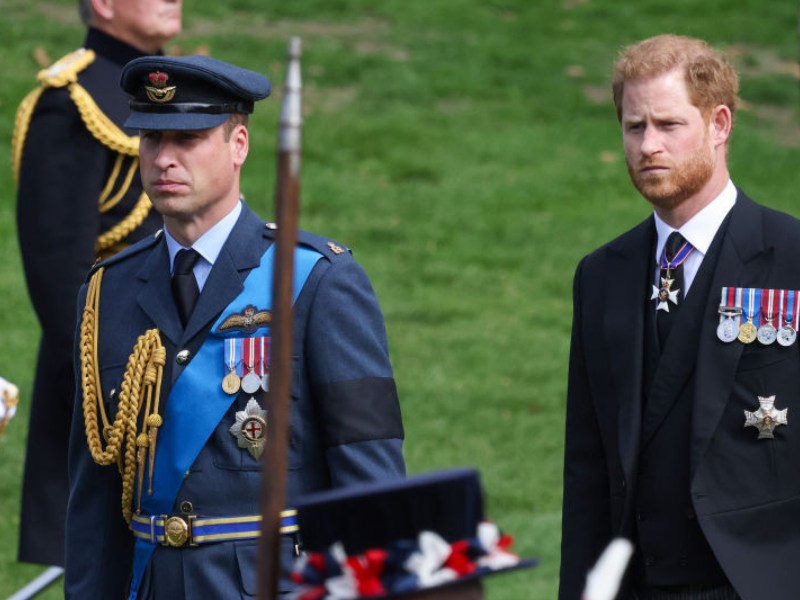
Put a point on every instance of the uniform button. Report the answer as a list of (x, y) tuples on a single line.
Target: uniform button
[(271, 226), (187, 507), (182, 357)]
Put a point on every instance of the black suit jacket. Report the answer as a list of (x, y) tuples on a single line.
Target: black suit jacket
[(745, 491)]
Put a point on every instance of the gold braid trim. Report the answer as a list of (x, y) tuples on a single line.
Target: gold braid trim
[(123, 228), (111, 179), (22, 122), (63, 72), (142, 378), (100, 126), (106, 204)]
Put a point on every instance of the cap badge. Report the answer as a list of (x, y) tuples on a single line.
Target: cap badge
[(158, 91)]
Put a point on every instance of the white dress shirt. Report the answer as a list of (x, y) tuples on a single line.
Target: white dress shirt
[(208, 245), (699, 231)]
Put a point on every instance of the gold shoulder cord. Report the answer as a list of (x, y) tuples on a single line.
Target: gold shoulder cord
[(64, 73), (143, 375)]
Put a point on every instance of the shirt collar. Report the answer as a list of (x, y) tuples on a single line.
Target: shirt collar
[(210, 243), (700, 230)]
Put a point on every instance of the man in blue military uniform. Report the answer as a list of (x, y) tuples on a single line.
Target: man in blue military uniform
[(174, 346), (78, 196)]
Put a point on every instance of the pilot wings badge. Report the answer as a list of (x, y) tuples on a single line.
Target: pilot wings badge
[(247, 321)]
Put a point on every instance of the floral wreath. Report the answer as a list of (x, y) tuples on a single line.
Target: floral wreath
[(405, 566)]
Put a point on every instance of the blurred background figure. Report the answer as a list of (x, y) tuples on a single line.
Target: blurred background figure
[(422, 538), (9, 398), (78, 198)]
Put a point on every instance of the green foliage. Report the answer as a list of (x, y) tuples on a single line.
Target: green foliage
[(468, 151)]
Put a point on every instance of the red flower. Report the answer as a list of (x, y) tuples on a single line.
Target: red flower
[(367, 570), (459, 560)]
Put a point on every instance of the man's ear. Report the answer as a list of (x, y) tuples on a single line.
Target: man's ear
[(104, 9), (240, 139), (720, 124)]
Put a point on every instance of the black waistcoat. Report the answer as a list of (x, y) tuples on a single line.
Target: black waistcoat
[(672, 549)]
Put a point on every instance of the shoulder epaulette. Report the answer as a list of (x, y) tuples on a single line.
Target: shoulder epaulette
[(133, 250), (329, 248), (65, 70), (64, 73)]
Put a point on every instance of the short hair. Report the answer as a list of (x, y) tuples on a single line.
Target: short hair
[(710, 78), (233, 120), (85, 11)]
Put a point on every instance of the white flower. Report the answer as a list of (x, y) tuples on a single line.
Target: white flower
[(427, 563)]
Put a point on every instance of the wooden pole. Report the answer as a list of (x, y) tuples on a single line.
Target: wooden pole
[(287, 200)]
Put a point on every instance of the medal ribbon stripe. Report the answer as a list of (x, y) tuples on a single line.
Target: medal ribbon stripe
[(748, 308), (758, 314), (264, 355), (768, 305), (232, 354), (679, 257), (766, 314), (782, 298)]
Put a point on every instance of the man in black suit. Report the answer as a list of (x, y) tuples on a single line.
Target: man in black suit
[(79, 197), (684, 357)]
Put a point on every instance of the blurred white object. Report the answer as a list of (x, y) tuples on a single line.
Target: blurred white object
[(9, 398), (603, 581), (38, 585)]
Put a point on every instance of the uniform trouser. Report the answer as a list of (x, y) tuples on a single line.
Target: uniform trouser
[(723, 592)]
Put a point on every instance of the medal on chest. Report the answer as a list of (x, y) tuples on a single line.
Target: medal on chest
[(247, 365), (250, 428), (766, 418), (664, 294)]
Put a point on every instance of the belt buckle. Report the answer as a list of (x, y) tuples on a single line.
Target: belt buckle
[(178, 531)]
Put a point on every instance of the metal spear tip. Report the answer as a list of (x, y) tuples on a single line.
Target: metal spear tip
[(295, 47)]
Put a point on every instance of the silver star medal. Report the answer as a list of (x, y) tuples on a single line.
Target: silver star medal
[(766, 418), (250, 428), (664, 293)]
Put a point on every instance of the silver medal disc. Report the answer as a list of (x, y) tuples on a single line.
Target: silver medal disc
[(727, 330), (251, 383), (767, 334), (265, 382), (787, 335)]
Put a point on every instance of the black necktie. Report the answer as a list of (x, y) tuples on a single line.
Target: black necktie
[(184, 285), (671, 279)]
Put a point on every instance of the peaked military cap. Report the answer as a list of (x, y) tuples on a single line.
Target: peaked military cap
[(188, 92)]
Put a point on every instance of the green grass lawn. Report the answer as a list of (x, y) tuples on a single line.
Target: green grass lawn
[(468, 151)]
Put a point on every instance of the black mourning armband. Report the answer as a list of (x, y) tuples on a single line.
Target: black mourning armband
[(359, 410)]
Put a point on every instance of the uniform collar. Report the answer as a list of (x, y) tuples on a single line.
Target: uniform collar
[(210, 243), (110, 47)]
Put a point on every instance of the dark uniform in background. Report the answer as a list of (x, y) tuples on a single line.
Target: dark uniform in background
[(79, 196)]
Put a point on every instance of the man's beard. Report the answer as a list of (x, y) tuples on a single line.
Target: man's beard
[(683, 180)]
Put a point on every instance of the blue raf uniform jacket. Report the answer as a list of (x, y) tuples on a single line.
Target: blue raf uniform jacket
[(345, 417)]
